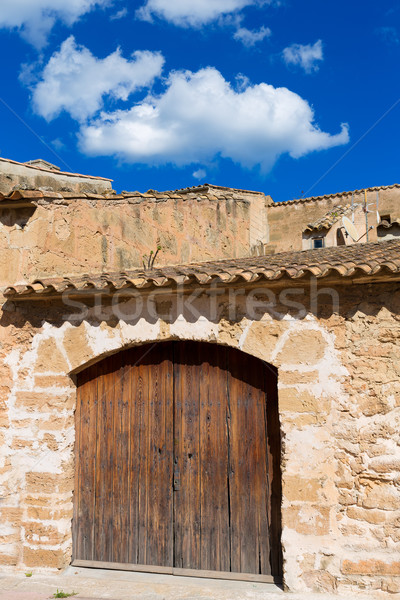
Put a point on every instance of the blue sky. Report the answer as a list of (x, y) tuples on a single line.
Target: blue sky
[(286, 97)]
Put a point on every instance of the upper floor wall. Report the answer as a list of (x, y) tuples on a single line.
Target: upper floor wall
[(41, 175), (61, 224), (289, 220), (45, 234)]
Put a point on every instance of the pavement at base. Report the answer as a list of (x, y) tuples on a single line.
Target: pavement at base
[(101, 584)]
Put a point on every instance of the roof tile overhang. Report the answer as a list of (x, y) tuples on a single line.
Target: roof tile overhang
[(329, 219), (21, 198), (338, 195), (359, 263), (388, 225)]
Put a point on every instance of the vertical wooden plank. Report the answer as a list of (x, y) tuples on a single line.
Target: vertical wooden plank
[(134, 387), (166, 457), (177, 450), (234, 428), (153, 522), (122, 554), (111, 381), (215, 535), (248, 477), (261, 467), (154, 515), (120, 453), (104, 457), (168, 460), (144, 451), (86, 462), (159, 493), (274, 469), (187, 505)]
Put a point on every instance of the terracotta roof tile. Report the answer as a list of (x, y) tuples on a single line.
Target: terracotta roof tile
[(205, 187), (374, 259), (387, 225), (337, 195), (329, 219)]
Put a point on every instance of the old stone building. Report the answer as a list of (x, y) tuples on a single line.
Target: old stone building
[(231, 410), (42, 175), (373, 211)]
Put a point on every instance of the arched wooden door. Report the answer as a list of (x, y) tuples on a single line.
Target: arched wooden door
[(177, 463)]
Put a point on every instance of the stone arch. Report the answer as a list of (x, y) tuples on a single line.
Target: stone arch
[(288, 344), (309, 390)]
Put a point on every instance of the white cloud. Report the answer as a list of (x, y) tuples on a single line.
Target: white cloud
[(119, 14), (389, 35), (58, 144), (306, 56), (197, 13), (76, 81), (200, 116), (35, 18), (199, 174), (242, 82), (250, 37), (193, 13)]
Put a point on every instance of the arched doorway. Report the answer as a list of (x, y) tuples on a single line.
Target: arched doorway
[(177, 463)]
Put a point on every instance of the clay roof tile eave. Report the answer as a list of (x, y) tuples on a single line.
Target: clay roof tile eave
[(375, 259)]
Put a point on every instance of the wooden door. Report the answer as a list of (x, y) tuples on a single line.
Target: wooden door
[(123, 497), (177, 463)]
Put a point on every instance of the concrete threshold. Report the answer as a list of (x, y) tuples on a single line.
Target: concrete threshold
[(101, 584), (96, 584)]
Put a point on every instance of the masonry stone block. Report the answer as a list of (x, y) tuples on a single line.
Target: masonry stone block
[(303, 347), (77, 347), (49, 358), (40, 557), (371, 567), (307, 519)]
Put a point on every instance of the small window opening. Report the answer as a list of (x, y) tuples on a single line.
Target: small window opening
[(318, 242)]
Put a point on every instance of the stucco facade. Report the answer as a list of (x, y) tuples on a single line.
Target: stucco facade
[(335, 349)]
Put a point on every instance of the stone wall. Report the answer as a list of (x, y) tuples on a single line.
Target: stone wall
[(70, 236), (61, 237), (288, 220), (339, 403), (337, 235), (15, 175)]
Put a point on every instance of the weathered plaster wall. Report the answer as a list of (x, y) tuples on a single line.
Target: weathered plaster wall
[(14, 175), (72, 236), (288, 221), (337, 236), (84, 236), (339, 402)]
